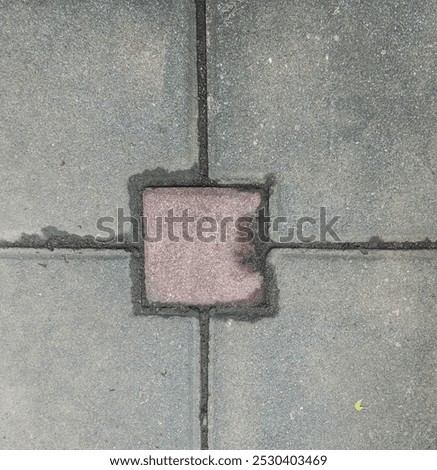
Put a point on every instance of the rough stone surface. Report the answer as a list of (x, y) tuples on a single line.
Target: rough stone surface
[(350, 327), (338, 101), (78, 370), (203, 262), (91, 93)]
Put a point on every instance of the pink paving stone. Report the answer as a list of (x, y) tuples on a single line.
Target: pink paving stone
[(199, 272)]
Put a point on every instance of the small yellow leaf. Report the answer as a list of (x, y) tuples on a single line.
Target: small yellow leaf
[(358, 406)]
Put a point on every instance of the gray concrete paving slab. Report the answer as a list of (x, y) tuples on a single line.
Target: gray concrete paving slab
[(350, 327), (338, 101), (91, 93), (78, 370)]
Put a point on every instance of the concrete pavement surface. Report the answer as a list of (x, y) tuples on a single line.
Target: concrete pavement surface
[(78, 370), (323, 111), (91, 93), (350, 327), (336, 100)]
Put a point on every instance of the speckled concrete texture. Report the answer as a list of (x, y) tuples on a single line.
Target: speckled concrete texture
[(350, 327), (78, 370), (202, 268), (338, 101), (91, 93), (324, 110)]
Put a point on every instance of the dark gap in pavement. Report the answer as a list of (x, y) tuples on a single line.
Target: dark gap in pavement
[(202, 122), (375, 243), (53, 238), (202, 86), (204, 378)]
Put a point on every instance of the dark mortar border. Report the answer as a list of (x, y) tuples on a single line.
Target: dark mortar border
[(188, 179)]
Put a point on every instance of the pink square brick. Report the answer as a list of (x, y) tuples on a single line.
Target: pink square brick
[(192, 264)]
